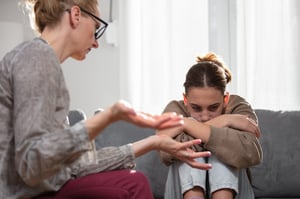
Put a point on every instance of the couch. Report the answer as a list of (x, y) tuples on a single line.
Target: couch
[(278, 176)]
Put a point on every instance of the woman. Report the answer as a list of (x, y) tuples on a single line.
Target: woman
[(41, 156), (227, 126)]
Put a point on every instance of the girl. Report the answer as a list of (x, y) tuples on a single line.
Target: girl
[(227, 126)]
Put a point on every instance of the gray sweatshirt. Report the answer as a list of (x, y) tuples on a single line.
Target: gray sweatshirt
[(39, 152)]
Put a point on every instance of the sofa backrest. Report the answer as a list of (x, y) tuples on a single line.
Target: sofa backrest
[(279, 173)]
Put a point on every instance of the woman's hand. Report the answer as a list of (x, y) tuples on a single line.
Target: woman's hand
[(236, 121), (182, 150), (122, 110)]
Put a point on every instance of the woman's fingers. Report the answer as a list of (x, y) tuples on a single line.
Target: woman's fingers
[(199, 165), (156, 121), (188, 155), (173, 121)]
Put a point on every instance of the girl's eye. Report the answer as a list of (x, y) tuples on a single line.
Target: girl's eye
[(213, 108), (197, 108)]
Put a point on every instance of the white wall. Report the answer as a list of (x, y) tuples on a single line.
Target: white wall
[(102, 79), (93, 83)]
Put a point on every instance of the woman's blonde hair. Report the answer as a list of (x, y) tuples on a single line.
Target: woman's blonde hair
[(44, 13)]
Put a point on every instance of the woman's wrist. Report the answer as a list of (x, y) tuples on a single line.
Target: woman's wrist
[(155, 142), (145, 145), (109, 114)]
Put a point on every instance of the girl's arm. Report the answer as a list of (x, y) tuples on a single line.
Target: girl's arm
[(236, 121)]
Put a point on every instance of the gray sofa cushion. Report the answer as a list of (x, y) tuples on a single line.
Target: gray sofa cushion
[(279, 173)]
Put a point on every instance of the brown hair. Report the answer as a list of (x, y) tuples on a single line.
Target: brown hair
[(210, 71), (49, 12)]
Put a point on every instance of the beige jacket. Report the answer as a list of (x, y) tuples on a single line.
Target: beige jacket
[(236, 148)]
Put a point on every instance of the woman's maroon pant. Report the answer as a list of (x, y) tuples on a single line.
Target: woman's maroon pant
[(120, 184)]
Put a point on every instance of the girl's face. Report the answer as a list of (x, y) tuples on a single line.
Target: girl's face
[(205, 103)]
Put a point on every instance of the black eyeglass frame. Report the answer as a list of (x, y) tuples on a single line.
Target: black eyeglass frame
[(100, 31)]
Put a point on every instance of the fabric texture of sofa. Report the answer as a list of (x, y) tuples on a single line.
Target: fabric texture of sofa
[(278, 176)]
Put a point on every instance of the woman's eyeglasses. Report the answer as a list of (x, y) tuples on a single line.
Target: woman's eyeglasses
[(102, 24)]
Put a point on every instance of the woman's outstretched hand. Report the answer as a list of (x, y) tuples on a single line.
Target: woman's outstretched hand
[(122, 110), (182, 150)]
